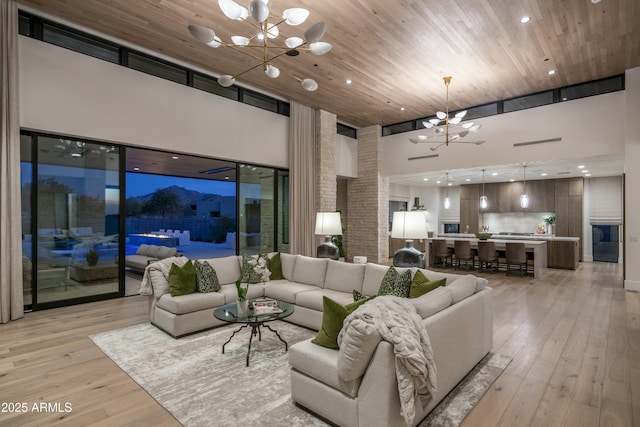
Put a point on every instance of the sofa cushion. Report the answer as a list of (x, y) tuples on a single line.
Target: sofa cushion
[(357, 344), (420, 284), (373, 275), (333, 315), (166, 252), (320, 363), (255, 269), (310, 271), (285, 290), (288, 263), (275, 266), (152, 251), (206, 277), (227, 269), (138, 262), (462, 288), (432, 302), (192, 302), (313, 299), (142, 249), (342, 276), (230, 292), (182, 280), (396, 283)]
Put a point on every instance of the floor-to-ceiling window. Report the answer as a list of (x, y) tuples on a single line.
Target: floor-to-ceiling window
[(256, 209), (75, 220)]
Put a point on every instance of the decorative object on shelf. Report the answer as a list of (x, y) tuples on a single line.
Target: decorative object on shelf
[(549, 220), (264, 38), (409, 226), (524, 198), (483, 199), (242, 303), (484, 236), (328, 224), (459, 129), (447, 199), (416, 204), (92, 257)]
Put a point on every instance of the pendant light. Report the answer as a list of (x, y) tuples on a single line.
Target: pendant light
[(483, 199), (524, 198), (447, 199)]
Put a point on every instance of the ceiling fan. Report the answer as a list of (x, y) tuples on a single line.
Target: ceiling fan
[(453, 130)]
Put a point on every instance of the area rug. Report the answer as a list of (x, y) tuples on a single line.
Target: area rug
[(200, 386)]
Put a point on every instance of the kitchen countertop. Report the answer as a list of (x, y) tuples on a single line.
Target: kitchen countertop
[(546, 237)]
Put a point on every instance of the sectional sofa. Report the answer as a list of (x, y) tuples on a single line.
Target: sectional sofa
[(458, 318)]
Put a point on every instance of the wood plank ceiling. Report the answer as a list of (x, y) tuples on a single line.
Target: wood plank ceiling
[(395, 52)]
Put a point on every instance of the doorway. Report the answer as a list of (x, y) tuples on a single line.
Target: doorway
[(606, 245)]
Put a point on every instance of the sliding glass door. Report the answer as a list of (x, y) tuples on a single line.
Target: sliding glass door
[(75, 240)]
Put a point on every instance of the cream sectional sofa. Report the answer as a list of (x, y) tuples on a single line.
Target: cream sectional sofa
[(146, 254), (458, 318)]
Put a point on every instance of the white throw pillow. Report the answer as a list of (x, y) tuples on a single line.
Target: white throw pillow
[(357, 344), (345, 277), (432, 302), (462, 288)]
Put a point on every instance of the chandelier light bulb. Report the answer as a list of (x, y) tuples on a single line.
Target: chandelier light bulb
[(272, 71), (202, 34), (258, 11), (240, 40), (309, 84), (272, 31), (295, 16), (315, 32), (231, 9), (319, 48), (226, 80), (293, 42)]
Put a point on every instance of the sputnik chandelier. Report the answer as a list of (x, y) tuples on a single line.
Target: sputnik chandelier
[(453, 130), (264, 38)]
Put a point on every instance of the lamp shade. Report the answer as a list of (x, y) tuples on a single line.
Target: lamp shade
[(328, 224), (409, 225)]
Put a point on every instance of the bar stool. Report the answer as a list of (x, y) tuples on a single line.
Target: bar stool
[(516, 256), (487, 256), (462, 251), (441, 252)]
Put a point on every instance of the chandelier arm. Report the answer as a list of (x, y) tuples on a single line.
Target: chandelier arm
[(242, 51), (248, 69)]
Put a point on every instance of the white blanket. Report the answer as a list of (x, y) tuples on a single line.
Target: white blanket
[(163, 266), (397, 322)]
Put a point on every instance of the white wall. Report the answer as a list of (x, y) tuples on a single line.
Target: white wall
[(346, 156), (632, 179), (586, 127), (69, 93)]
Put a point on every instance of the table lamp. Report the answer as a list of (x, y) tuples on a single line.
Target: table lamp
[(409, 226), (328, 224)]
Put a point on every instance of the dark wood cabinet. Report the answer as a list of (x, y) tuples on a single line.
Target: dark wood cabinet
[(562, 254), (469, 208)]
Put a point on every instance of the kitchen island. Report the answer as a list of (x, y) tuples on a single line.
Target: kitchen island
[(562, 252), (538, 248)]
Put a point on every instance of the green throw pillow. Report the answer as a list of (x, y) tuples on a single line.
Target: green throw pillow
[(182, 280), (206, 277), (420, 284), (333, 315), (250, 272), (275, 266), (394, 283)]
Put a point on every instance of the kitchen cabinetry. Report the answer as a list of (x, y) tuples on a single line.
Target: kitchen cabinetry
[(568, 208), (469, 208), (563, 254)]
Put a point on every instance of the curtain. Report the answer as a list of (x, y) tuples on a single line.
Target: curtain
[(302, 169), (11, 301)]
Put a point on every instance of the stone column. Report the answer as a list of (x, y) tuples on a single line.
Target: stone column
[(368, 201), (326, 186)]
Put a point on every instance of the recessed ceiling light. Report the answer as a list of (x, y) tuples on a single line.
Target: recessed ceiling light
[(348, 81), (401, 108), (580, 166), (226, 177), (587, 174), (511, 180), (585, 171), (494, 174), (543, 174), (175, 157), (551, 72), (467, 179), (525, 19), (437, 182), (449, 184), (426, 179)]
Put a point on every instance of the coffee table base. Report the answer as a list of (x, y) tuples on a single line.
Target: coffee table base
[(255, 330)]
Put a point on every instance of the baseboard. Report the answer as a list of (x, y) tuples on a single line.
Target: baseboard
[(632, 285), (587, 258)]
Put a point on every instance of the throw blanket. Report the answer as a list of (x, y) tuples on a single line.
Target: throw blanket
[(397, 322), (163, 266)]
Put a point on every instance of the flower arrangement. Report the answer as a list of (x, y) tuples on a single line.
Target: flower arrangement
[(549, 219), (242, 292)]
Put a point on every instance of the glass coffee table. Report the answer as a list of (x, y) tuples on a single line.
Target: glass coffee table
[(229, 313)]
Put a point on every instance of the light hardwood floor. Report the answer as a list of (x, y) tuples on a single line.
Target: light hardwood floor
[(574, 337)]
